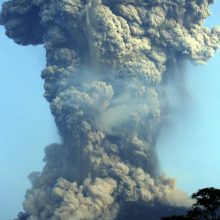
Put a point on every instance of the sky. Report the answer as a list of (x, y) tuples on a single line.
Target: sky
[(26, 125), (188, 148)]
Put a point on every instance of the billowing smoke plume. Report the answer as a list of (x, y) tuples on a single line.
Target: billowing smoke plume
[(107, 67)]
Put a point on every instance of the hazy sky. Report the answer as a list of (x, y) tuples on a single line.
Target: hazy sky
[(189, 150)]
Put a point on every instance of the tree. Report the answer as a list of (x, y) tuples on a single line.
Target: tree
[(208, 201), (206, 207)]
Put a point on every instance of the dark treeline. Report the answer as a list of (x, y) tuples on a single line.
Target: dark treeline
[(206, 206)]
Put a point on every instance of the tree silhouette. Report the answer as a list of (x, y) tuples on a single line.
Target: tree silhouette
[(206, 207), (208, 201)]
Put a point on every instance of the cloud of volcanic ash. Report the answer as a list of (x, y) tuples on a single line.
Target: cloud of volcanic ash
[(107, 68)]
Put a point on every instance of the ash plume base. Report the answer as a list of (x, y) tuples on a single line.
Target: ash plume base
[(108, 65)]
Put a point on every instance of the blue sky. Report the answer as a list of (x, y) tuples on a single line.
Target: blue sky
[(26, 125), (189, 150)]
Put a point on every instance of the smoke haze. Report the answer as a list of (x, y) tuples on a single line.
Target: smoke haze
[(108, 67)]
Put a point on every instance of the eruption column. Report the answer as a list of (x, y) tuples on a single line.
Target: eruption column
[(108, 63)]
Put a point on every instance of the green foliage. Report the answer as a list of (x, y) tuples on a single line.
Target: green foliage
[(206, 207)]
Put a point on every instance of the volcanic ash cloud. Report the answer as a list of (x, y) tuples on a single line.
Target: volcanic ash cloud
[(107, 67)]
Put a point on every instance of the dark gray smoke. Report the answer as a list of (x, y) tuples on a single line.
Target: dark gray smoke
[(108, 63)]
